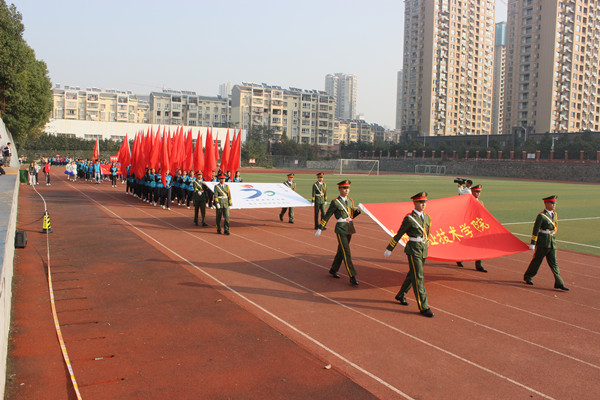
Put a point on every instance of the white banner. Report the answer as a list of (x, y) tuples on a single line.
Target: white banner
[(263, 195)]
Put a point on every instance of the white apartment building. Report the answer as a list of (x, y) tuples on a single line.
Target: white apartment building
[(306, 116), (343, 88), (174, 107), (448, 67), (553, 65), (93, 104)]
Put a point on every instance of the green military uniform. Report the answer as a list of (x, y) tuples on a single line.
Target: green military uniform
[(344, 212), (199, 198), (319, 198), (291, 185), (222, 202), (542, 237), (416, 249)]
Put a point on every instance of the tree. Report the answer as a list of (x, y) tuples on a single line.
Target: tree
[(25, 88)]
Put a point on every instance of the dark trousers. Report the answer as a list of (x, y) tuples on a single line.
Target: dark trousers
[(319, 208), (550, 255), (416, 279), (223, 213), (343, 254)]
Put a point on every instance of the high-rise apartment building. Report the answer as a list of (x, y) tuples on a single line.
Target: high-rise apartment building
[(399, 101), (93, 104), (305, 116), (343, 89), (499, 74), (225, 89), (553, 65), (448, 67), (175, 107)]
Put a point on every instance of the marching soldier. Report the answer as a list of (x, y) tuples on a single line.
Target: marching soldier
[(319, 198), (199, 198), (416, 225), (292, 185), (222, 203), (544, 244), (343, 210)]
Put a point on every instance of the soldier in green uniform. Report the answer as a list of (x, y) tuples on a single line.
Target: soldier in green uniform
[(416, 225), (292, 185), (343, 210), (199, 198), (222, 202), (319, 198), (544, 243)]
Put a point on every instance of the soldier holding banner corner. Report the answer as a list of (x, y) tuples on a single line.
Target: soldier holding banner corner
[(417, 226)]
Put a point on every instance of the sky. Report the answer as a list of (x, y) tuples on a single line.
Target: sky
[(148, 45)]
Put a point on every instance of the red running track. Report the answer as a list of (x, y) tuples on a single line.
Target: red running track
[(152, 306)]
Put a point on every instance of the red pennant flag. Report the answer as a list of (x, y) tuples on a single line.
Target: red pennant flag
[(210, 162), (467, 233), (96, 152), (124, 154), (165, 162), (199, 154), (235, 156), (226, 154), (189, 151)]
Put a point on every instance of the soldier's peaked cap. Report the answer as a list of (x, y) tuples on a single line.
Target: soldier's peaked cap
[(320, 175), (476, 188), (421, 196), (290, 175), (221, 176), (344, 184), (550, 199)]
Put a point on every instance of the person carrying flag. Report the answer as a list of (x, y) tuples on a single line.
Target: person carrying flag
[(292, 185), (343, 210), (416, 225), (319, 198), (544, 244), (199, 198)]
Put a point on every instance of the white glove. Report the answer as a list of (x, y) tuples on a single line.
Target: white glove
[(532, 247), (318, 233), (387, 253), (217, 205)]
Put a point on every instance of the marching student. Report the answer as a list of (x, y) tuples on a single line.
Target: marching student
[(416, 225), (292, 185), (544, 244), (319, 198), (343, 210)]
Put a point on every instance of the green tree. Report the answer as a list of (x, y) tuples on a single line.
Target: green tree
[(25, 88)]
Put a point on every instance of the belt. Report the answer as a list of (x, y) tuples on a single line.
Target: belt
[(547, 231), (416, 239), (317, 195), (222, 197), (344, 220)]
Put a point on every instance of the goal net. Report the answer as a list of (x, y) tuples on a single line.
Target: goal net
[(430, 169), (348, 166)]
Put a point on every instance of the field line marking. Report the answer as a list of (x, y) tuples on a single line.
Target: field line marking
[(560, 220), (561, 241)]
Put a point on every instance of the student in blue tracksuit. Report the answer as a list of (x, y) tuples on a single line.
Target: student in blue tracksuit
[(113, 174)]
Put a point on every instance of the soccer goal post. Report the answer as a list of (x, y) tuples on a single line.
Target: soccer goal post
[(430, 169), (346, 166)]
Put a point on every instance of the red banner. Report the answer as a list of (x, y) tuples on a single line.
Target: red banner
[(461, 228)]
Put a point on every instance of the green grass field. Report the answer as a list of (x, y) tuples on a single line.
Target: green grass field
[(515, 203)]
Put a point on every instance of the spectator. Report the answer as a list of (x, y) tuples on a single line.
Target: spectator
[(6, 153), (47, 172)]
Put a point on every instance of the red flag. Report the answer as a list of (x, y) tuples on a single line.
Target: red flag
[(155, 151), (235, 155), (96, 152), (165, 160), (124, 154), (209, 157), (225, 154), (189, 151), (216, 147), (199, 154), (467, 233)]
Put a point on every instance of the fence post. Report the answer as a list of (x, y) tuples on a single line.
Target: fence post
[(466, 154), (453, 155), (489, 154), (552, 155), (512, 154), (433, 154), (581, 154), (538, 155), (499, 154), (566, 155)]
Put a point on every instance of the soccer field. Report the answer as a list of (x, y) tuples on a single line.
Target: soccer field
[(515, 203)]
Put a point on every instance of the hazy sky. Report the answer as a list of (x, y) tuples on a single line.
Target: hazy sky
[(148, 45)]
